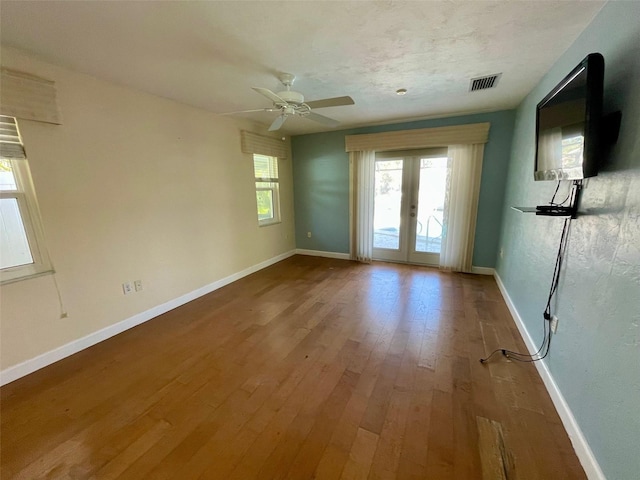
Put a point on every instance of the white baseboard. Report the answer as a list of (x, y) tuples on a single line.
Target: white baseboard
[(29, 366), (320, 253), (583, 450), (483, 270)]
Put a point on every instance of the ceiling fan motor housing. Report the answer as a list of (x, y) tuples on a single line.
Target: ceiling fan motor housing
[(290, 96)]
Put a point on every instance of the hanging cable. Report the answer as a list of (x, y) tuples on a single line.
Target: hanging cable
[(545, 347), (63, 311), (555, 193), (570, 193)]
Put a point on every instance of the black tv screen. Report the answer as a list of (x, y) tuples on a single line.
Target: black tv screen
[(568, 124)]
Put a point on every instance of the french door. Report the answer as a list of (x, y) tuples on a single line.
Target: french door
[(409, 205)]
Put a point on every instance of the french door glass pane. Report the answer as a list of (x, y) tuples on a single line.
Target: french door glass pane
[(388, 200), (14, 246), (433, 179)]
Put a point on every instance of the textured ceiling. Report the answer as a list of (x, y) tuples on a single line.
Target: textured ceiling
[(210, 54)]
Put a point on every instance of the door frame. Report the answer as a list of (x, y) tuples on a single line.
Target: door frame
[(406, 252)]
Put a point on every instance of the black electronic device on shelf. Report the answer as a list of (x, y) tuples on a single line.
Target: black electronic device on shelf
[(558, 210), (554, 210)]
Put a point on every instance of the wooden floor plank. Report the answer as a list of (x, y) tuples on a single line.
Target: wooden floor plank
[(492, 450), (311, 368), (389, 448), (361, 456), (440, 442)]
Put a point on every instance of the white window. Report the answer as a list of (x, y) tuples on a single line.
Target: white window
[(267, 189), (22, 250)]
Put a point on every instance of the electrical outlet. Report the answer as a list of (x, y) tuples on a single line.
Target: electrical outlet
[(554, 324), (127, 288), (501, 252), (137, 284), (308, 234)]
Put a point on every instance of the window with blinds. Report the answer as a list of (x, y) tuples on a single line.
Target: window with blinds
[(22, 252), (267, 189)]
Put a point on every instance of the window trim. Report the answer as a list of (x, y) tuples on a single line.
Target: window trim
[(274, 188), (275, 199), (32, 223)]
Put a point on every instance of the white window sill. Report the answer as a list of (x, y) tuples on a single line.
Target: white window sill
[(18, 274), (268, 223)]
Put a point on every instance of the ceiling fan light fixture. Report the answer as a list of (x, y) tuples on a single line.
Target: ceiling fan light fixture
[(401, 91), (290, 96)]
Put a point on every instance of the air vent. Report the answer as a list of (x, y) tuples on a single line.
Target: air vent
[(482, 83)]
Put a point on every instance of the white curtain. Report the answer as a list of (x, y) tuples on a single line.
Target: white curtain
[(461, 207), (363, 164)]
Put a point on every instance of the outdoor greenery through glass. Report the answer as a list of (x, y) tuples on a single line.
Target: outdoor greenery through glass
[(267, 188), (265, 203)]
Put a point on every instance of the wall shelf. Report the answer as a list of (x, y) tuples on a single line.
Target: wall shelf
[(555, 212)]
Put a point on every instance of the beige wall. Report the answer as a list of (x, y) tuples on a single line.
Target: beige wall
[(131, 186)]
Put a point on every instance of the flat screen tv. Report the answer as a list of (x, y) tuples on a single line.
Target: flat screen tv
[(568, 124)]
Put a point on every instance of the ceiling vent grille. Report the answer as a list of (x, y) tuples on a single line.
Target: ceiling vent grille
[(483, 83)]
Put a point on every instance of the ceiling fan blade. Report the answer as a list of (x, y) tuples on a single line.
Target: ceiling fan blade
[(331, 102), (250, 111), (277, 123), (269, 94), (330, 122)]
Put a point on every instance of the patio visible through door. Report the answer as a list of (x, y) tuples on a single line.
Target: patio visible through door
[(409, 205)]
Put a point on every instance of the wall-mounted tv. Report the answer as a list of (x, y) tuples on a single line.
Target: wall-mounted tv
[(569, 124)]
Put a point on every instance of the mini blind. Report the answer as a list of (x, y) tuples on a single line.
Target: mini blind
[(419, 138), (254, 143), (265, 168), (10, 143), (28, 97)]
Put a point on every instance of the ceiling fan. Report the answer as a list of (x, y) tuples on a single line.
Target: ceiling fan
[(289, 102)]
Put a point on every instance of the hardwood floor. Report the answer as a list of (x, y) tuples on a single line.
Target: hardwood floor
[(311, 368)]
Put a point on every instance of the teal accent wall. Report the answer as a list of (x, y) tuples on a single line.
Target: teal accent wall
[(321, 191), (595, 356), (321, 183)]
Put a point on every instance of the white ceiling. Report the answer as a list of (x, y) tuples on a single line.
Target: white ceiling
[(210, 53)]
